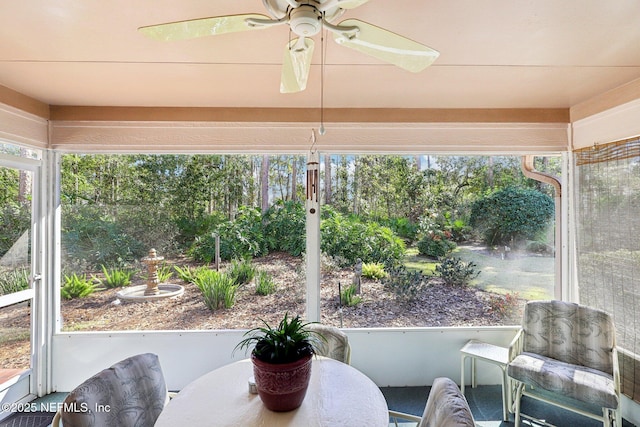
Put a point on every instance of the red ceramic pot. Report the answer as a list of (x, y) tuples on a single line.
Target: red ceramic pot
[(282, 386)]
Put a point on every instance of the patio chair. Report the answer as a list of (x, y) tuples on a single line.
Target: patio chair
[(446, 407), (130, 393), (335, 344), (565, 354)]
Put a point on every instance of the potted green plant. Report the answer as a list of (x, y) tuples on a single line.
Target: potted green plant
[(281, 359)]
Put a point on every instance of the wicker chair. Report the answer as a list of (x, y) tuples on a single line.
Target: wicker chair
[(130, 393), (565, 355)]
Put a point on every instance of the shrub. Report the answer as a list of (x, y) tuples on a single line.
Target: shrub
[(511, 215), (241, 271), (348, 296), (348, 238), (76, 287), (264, 283), (240, 238), (218, 289), (403, 227), (456, 272), (285, 227), (436, 244), (374, 270), (504, 305), (115, 278), (405, 284), (14, 281), (89, 233)]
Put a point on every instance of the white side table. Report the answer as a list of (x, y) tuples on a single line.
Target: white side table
[(489, 353)]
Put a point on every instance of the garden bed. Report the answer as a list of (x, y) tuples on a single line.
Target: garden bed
[(438, 305)]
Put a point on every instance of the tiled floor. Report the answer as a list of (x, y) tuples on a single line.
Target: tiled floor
[(486, 405)]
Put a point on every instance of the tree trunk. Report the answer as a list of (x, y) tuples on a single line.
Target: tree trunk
[(265, 182), (294, 180), (24, 184), (490, 172), (327, 179)]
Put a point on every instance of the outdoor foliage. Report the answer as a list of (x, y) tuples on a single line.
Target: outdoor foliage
[(512, 215), (374, 270), (76, 286), (349, 238), (436, 244), (98, 238), (265, 285), (115, 277), (456, 272), (189, 274), (285, 227), (218, 289), (15, 219), (241, 271), (14, 280), (404, 284), (504, 305), (241, 238), (349, 297)]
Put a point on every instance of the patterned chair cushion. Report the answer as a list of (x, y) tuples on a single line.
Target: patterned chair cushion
[(131, 393), (575, 381), (570, 333), (446, 406), (335, 344)]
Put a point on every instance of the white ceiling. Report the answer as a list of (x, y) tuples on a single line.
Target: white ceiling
[(494, 54)]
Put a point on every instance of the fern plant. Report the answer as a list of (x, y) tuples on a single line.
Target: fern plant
[(373, 270), (76, 287)]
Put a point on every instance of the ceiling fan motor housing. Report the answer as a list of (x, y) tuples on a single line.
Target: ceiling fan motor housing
[(305, 21)]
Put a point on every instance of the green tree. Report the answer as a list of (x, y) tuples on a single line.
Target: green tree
[(511, 215)]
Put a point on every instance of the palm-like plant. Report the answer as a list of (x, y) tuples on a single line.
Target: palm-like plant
[(289, 341)]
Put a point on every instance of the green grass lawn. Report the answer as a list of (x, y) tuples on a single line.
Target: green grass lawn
[(530, 276)]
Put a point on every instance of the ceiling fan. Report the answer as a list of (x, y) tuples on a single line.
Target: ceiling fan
[(306, 18)]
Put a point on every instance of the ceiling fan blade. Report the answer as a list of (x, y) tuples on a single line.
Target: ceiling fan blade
[(386, 46), (194, 28), (296, 65)]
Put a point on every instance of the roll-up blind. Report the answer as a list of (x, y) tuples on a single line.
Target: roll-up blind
[(608, 243)]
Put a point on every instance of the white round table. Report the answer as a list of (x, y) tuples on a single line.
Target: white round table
[(338, 396)]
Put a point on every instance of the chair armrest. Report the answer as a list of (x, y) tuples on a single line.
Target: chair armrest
[(516, 345), (403, 416), (616, 370)]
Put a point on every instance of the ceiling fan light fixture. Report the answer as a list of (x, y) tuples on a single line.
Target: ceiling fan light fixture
[(305, 21)]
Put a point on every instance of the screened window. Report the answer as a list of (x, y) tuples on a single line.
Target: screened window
[(434, 240), (405, 240)]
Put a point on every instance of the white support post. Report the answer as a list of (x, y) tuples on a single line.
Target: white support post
[(312, 206)]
